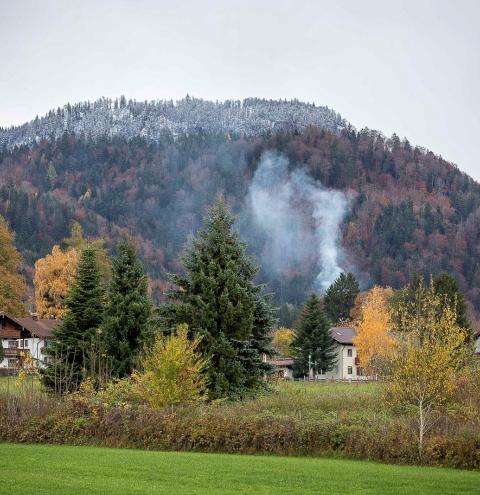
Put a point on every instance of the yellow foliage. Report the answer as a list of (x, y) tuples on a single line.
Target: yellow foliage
[(374, 342), (426, 358), (12, 286), (172, 371), (53, 276), (282, 340)]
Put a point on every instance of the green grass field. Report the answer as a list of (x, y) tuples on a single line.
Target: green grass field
[(43, 469)]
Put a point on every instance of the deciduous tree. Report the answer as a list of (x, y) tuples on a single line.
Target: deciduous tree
[(426, 358), (282, 341), (54, 275), (374, 341), (12, 284), (171, 371)]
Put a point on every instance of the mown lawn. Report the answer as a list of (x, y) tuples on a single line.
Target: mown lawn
[(43, 469)]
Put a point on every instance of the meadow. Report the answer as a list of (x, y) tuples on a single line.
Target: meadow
[(341, 420), (51, 470)]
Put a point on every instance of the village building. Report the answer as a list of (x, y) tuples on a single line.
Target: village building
[(347, 366), (22, 338)]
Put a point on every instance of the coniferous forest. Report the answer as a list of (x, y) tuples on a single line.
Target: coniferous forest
[(409, 211)]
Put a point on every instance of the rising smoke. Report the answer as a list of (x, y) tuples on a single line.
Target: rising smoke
[(299, 220)]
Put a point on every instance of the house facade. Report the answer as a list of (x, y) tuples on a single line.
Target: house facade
[(347, 365), (22, 338)]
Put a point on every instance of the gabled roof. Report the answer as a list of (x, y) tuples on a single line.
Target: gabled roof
[(343, 335), (39, 327)]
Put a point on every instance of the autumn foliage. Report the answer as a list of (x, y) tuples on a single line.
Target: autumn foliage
[(54, 275), (12, 284), (373, 341)]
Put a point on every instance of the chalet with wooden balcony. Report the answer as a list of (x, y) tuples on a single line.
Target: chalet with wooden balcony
[(22, 338)]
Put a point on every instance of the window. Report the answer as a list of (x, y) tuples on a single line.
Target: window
[(12, 344), (25, 342), (349, 370), (12, 363), (349, 352)]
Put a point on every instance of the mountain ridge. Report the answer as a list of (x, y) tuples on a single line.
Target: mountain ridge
[(118, 117)]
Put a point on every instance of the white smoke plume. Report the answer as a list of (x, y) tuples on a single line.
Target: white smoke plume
[(298, 218)]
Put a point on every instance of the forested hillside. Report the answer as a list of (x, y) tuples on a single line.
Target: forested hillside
[(409, 211)]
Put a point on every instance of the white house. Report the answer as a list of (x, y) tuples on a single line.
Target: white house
[(22, 337), (347, 366)]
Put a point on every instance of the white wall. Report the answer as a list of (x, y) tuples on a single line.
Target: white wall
[(34, 345), (344, 362)]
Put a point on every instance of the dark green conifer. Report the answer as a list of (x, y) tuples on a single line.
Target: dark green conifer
[(314, 349), (217, 298), (340, 297), (127, 322), (74, 353)]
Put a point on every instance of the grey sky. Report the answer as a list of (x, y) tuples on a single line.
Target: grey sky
[(410, 67)]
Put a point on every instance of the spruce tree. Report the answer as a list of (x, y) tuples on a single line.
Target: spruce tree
[(447, 287), (75, 353), (218, 300), (340, 297), (313, 347), (127, 322)]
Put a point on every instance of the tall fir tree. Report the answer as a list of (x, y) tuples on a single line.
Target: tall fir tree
[(217, 298), (340, 297), (75, 352), (314, 349), (12, 285), (446, 286), (127, 324)]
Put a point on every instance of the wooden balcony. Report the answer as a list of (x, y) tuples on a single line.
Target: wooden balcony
[(15, 352)]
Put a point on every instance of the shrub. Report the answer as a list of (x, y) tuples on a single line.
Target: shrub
[(172, 371)]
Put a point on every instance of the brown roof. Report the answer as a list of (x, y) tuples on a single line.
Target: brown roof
[(38, 327), (282, 362), (343, 335)]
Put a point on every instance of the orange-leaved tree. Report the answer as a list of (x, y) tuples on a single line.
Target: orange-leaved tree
[(54, 275), (374, 341), (12, 285)]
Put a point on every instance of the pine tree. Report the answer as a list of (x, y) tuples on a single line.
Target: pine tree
[(340, 297), (12, 285), (75, 351), (219, 301), (127, 325), (313, 347)]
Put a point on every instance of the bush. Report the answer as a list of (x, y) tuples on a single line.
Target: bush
[(294, 419), (172, 371)]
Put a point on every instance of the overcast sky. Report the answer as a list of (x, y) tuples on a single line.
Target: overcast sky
[(410, 67)]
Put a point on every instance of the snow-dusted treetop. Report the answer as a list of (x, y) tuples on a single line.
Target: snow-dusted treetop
[(106, 117)]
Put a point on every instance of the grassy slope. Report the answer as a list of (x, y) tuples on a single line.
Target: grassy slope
[(41, 469)]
